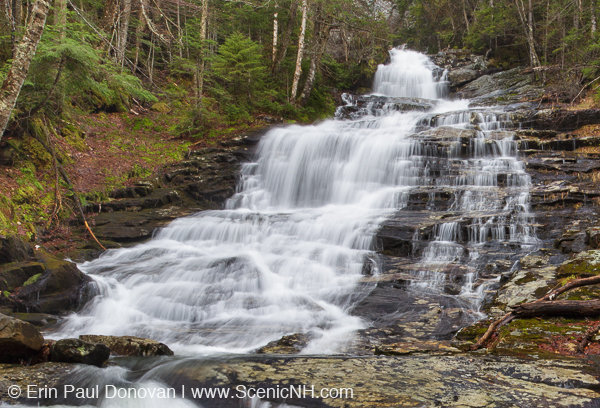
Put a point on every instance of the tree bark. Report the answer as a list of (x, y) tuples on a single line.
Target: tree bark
[(274, 37), (559, 308), (24, 53), (201, 64), (123, 29), (285, 41), (527, 22), (298, 70), (577, 14), (17, 11), (322, 27), (594, 23)]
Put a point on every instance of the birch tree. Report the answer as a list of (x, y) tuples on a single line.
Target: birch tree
[(24, 53), (298, 70)]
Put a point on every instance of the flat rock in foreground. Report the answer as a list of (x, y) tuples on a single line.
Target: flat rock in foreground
[(130, 345)]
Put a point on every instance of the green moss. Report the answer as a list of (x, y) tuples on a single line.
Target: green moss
[(32, 280), (26, 195), (74, 136), (529, 277), (6, 294), (35, 152), (161, 107)]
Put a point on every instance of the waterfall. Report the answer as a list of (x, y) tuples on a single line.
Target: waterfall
[(287, 252)]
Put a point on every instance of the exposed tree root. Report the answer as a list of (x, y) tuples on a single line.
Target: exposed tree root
[(547, 306)]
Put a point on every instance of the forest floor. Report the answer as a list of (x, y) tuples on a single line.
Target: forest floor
[(115, 150)]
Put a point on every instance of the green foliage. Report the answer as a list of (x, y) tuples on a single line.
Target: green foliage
[(239, 67), (32, 280)]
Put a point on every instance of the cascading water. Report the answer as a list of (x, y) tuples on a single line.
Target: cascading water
[(288, 251)]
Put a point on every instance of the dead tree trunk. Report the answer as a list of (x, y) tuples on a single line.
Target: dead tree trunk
[(25, 50), (298, 70)]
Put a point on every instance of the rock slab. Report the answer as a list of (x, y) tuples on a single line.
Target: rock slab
[(130, 345)]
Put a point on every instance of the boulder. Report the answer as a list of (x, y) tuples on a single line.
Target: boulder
[(79, 351), (16, 274), (462, 76), (130, 346), (60, 288), (18, 340)]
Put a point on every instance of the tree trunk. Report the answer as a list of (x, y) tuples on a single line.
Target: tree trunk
[(577, 14), (60, 17), (200, 70), (8, 13), (594, 23), (123, 30), (17, 11), (24, 53), (559, 308), (274, 37), (298, 70), (527, 22), (322, 27), (285, 41)]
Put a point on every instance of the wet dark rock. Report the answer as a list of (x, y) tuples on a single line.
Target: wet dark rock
[(13, 249), (79, 351), (19, 340), (291, 344), (61, 287), (130, 345), (592, 237), (15, 274)]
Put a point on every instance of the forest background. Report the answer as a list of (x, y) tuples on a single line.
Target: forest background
[(146, 80)]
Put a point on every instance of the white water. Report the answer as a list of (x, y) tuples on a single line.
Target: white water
[(286, 254)]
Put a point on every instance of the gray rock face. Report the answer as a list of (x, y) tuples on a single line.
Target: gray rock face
[(462, 76), (130, 345), (79, 351), (18, 340), (502, 88)]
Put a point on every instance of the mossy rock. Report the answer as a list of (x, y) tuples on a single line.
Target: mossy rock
[(35, 152), (584, 264), (542, 336), (161, 107)]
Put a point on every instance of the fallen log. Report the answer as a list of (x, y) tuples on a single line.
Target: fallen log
[(547, 306), (579, 308)]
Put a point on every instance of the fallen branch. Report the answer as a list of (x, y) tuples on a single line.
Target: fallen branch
[(547, 306), (588, 335)]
